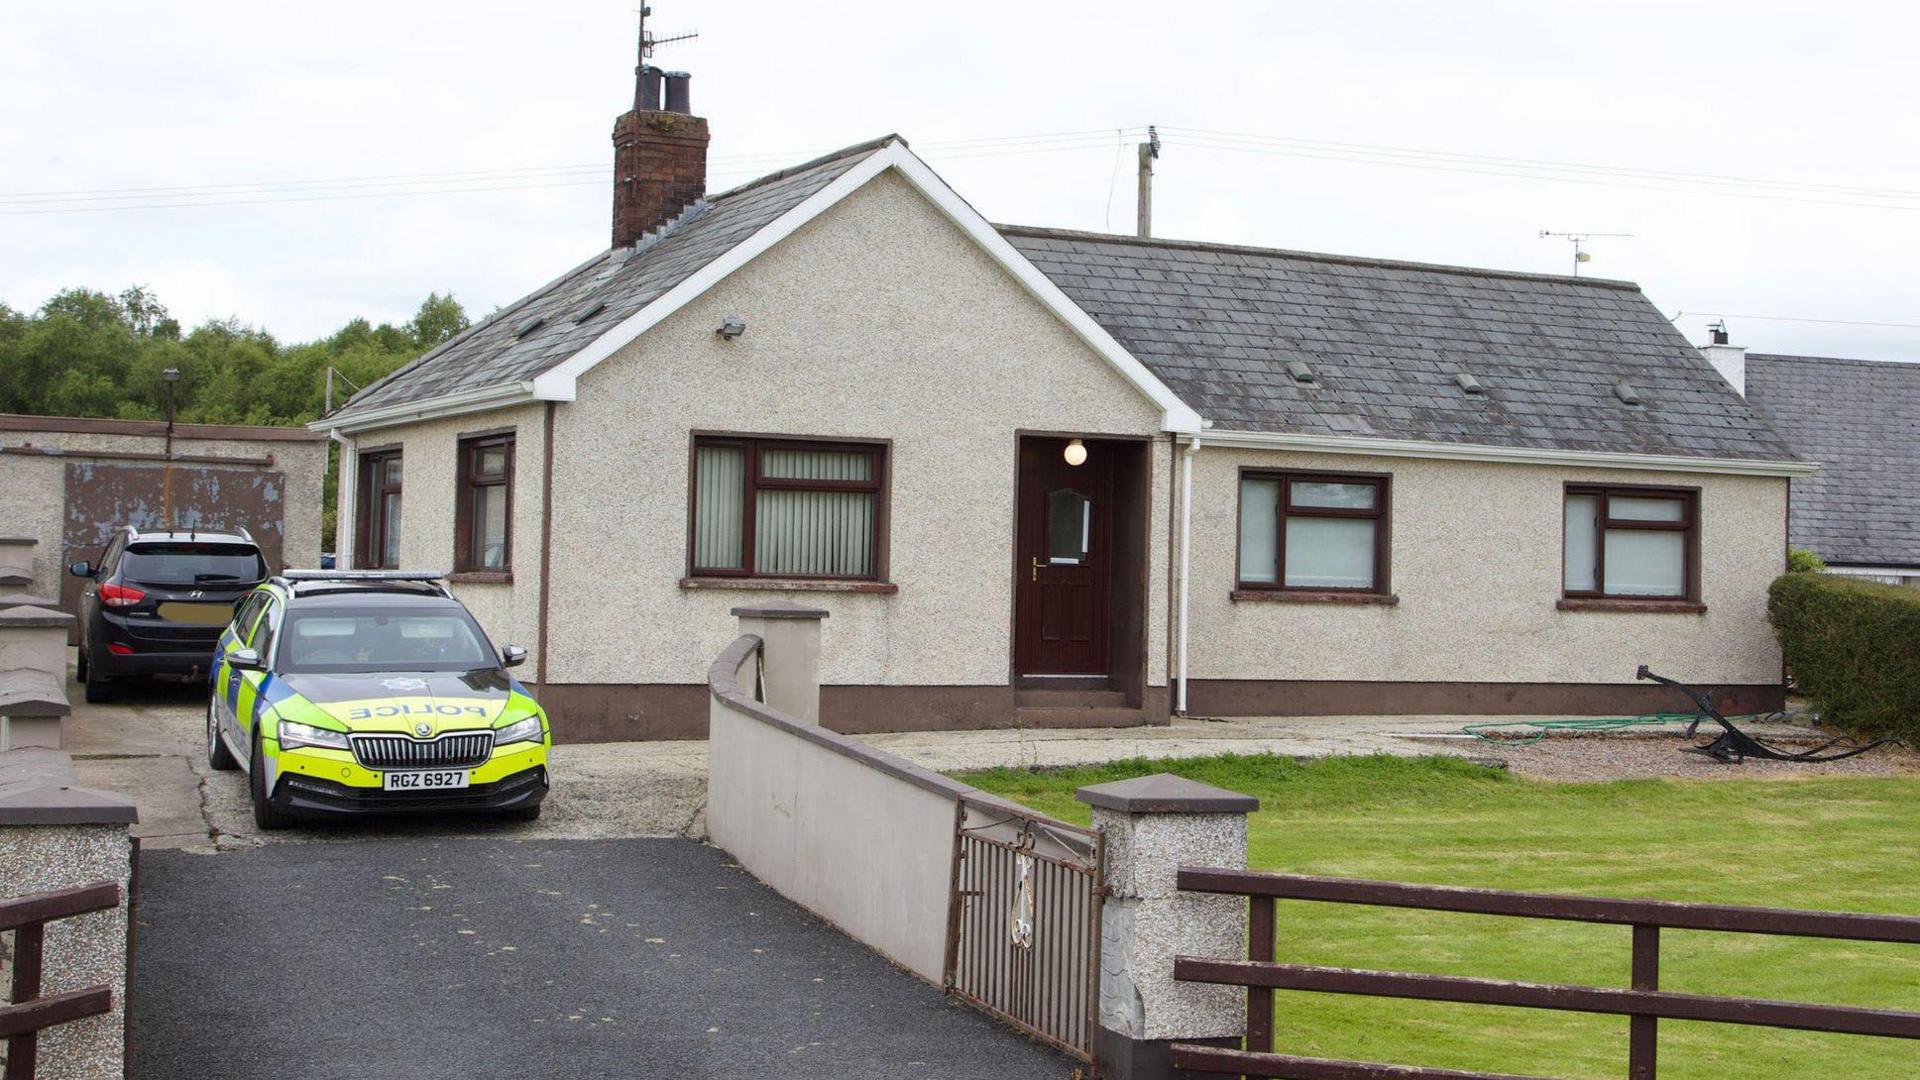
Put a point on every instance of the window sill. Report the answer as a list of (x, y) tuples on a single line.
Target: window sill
[(1645, 607), (1298, 596), (789, 585), (481, 577)]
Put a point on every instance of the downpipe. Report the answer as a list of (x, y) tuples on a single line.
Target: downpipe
[(1186, 558)]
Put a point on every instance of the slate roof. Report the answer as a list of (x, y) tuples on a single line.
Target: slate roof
[(1860, 419), (1220, 324), (495, 351)]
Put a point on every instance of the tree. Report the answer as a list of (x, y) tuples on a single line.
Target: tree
[(89, 353)]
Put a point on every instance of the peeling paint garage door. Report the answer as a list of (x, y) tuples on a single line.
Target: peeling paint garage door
[(102, 496)]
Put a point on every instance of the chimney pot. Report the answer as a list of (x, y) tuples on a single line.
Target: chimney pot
[(649, 87), (679, 92)]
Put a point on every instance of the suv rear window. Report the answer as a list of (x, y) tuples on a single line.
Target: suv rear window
[(193, 563)]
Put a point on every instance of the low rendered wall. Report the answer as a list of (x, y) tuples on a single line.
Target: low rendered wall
[(859, 837), (55, 835)]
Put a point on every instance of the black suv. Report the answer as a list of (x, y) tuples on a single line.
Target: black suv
[(156, 602)]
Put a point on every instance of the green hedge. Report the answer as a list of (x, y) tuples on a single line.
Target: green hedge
[(1854, 649)]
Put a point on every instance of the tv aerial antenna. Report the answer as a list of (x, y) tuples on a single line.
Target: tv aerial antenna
[(648, 42), (1577, 239)]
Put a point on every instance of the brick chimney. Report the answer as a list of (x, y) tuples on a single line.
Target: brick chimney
[(659, 156)]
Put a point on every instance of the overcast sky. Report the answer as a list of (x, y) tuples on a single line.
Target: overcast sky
[(1388, 129)]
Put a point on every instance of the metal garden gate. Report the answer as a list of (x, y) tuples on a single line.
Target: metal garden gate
[(1023, 924)]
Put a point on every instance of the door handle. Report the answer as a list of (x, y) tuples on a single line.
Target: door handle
[(1036, 568)]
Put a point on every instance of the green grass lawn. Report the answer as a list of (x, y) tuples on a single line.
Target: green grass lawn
[(1836, 844)]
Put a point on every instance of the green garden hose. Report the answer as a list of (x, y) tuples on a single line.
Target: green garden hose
[(1532, 731)]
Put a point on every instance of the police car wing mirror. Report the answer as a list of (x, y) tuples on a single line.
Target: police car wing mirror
[(246, 660), (512, 656), (83, 568)]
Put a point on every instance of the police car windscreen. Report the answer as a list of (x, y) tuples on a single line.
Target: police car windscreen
[(345, 641), (187, 564)]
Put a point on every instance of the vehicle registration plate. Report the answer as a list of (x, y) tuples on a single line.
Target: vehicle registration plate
[(425, 780)]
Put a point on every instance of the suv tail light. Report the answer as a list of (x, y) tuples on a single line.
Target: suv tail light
[(121, 595)]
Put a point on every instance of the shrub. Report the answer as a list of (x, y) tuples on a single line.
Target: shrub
[(1854, 649), (1804, 561)]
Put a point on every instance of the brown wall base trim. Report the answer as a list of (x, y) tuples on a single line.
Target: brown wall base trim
[(1256, 697), (612, 712)]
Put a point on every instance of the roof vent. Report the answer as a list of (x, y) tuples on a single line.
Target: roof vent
[(1626, 393), (590, 311), (1300, 371), (529, 326), (1468, 383)]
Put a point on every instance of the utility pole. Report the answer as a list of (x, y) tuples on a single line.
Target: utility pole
[(167, 379), (1148, 151)]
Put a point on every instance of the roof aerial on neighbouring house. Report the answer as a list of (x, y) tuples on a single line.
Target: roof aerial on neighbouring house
[(510, 347), (1382, 342), (1861, 420)]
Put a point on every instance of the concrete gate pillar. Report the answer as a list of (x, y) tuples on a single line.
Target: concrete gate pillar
[(789, 655), (1152, 825)]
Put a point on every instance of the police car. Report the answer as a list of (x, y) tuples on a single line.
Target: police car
[(371, 691)]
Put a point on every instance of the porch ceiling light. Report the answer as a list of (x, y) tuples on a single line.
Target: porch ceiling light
[(1076, 453)]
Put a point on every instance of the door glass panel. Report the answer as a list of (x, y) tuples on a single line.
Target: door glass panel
[(1069, 526), (1338, 496), (1330, 553), (390, 530)]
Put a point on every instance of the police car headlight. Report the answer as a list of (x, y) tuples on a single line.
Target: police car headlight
[(527, 730), (294, 735)]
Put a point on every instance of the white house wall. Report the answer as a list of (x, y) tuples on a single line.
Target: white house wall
[(878, 320)]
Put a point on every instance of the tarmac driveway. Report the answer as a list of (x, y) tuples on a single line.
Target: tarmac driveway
[(419, 958)]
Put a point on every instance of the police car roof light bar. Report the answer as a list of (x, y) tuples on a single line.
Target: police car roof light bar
[(364, 575)]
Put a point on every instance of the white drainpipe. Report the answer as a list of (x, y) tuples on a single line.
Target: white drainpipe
[(343, 500), (1186, 550)]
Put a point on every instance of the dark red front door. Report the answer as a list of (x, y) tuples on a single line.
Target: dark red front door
[(1064, 536)]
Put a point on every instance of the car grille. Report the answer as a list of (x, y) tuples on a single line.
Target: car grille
[(458, 750)]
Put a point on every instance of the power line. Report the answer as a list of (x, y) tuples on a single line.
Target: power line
[(1793, 318)]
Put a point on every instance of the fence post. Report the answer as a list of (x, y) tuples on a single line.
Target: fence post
[(1152, 825), (790, 655)]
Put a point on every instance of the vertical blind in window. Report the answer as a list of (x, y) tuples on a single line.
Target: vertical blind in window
[(786, 510), (1628, 542), (1311, 532)]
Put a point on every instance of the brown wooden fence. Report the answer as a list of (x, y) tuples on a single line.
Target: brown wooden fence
[(1645, 1003), (22, 1021)]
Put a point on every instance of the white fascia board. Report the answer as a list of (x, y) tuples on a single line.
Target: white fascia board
[(560, 383), (1516, 455), (480, 399)]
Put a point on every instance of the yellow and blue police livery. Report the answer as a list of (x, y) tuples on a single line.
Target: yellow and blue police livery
[(371, 691)]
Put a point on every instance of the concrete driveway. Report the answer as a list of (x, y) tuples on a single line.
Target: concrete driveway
[(420, 958)]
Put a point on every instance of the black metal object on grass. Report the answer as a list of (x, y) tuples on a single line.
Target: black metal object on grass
[(1734, 746)]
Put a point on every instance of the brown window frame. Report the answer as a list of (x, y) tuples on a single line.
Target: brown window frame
[(878, 486), (468, 482), (1381, 515), (371, 527), (1689, 524)]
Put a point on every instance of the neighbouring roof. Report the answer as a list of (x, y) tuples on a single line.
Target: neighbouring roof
[(1860, 419), (502, 350), (1384, 342)]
